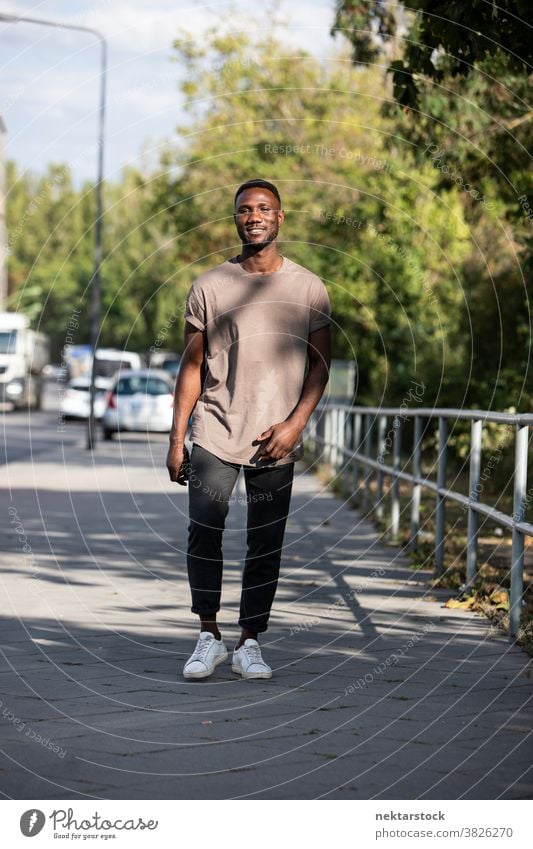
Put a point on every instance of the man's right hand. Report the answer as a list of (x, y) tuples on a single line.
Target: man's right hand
[(178, 463)]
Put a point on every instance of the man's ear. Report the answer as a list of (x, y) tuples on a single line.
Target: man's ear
[(281, 217)]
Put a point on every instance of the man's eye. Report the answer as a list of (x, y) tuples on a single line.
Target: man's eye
[(261, 209)]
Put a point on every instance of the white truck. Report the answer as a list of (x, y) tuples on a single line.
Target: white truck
[(23, 355)]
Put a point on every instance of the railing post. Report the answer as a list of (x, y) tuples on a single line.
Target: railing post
[(519, 511), (341, 425), (334, 438), (345, 418), (441, 500), (368, 470), (378, 501), (338, 439), (473, 496), (395, 485), (416, 487), (340, 444), (356, 445), (327, 436), (322, 431)]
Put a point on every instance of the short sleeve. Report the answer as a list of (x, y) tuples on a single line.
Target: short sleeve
[(195, 309), (320, 307)]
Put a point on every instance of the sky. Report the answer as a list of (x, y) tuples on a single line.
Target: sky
[(50, 78)]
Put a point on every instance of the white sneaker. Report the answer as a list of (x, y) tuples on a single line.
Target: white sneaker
[(207, 654), (247, 661)]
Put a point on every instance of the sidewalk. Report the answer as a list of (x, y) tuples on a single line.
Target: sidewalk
[(377, 691)]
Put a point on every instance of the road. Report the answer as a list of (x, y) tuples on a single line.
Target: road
[(28, 434), (36, 433)]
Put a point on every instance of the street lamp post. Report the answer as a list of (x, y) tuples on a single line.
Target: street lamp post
[(95, 280)]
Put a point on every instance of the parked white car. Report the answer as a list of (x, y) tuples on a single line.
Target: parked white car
[(76, 399), (139, 401)]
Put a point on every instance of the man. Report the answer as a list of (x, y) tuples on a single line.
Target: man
[(251, 326)]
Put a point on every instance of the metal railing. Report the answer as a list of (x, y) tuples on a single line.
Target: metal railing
[(344, 436)]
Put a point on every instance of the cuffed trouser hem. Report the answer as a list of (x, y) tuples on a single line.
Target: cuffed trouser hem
[(255, 629)]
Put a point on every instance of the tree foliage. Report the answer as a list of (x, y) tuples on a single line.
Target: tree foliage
[(444, 38), (463, 70), (412, 220), (374, 231)]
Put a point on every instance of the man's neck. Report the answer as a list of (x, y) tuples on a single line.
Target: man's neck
[(265, 261)]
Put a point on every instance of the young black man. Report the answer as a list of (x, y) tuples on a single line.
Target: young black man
[(251, 326)]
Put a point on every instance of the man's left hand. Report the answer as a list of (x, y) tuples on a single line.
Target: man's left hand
[(280, 440)]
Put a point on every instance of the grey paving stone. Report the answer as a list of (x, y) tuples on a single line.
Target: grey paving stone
[(90, 657)]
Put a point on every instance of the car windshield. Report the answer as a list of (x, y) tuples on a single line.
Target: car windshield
[(8, 341), (146, 385), (108, 368), (172, 366)]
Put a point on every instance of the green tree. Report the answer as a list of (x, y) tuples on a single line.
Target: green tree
[(444, 38), (139, 265), (49, 247), (471, 118), (373, 229)]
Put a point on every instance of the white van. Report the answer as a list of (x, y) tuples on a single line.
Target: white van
[(78, 362), (108, 361)]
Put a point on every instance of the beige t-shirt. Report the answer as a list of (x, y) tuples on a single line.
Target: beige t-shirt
[(257, 328)]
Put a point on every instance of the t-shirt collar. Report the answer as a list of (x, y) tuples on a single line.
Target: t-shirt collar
[(238, 267)]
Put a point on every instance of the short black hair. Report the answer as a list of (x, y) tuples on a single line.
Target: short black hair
[(259, 184)]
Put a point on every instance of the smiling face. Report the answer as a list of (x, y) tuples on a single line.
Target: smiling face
[(258, 216)]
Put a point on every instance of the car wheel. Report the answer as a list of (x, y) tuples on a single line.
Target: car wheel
[(108, 434)]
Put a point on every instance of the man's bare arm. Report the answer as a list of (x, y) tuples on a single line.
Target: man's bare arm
[(319, 356), (283, 436), (186, 393)]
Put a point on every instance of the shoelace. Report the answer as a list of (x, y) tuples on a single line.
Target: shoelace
[(201, 649), (254, 653)]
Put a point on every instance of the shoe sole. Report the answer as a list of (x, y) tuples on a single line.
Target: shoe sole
[(250, 675), (197, 675)]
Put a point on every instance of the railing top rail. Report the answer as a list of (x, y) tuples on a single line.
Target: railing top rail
[(438, 412)]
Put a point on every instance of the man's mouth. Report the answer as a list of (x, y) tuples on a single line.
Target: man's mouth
[(252, 231)]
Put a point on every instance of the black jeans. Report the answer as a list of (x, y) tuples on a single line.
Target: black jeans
[(268, 493)]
